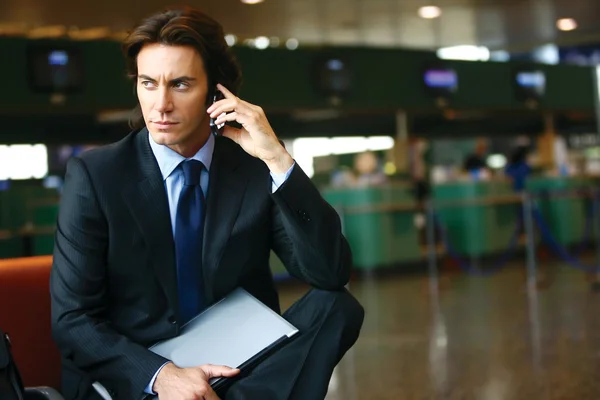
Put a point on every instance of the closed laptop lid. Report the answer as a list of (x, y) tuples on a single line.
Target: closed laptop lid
[(230, 333)]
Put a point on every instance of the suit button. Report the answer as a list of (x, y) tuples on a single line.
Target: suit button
[(172, 320), (304, 215)]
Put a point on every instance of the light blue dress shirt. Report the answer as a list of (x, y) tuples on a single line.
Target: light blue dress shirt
[(168, 163)]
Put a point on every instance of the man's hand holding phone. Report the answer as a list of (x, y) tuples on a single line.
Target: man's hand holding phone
[(256, 136)]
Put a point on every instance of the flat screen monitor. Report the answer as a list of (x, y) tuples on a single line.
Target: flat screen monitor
[(55, 69), (441, 79), (333, 76), (529, 84)]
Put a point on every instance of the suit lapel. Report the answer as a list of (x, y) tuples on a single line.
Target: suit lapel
[(147, 201), (227, 185)]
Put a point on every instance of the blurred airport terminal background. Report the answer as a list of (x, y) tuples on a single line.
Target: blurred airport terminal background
[(457, 139)]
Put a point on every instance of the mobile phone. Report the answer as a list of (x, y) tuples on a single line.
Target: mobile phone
[(214, 128)]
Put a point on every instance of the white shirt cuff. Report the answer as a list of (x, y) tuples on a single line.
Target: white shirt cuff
[(151, 384), (279, 179)]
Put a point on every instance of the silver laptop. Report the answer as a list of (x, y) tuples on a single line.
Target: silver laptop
[(238, 331)]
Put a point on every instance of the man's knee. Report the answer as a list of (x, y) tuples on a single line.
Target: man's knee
[(343, 306)]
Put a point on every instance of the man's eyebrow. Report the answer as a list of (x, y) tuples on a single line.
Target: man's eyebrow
[(179, 79), (182, 79), (146, 77)]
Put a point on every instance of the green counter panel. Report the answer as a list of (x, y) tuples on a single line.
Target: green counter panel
[(43, 245), (11, 248), (476, 229), (566, 217), (377, 237), (27, 206), (17, 205)]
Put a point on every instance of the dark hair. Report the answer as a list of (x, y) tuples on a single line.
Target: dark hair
[(185, 27), (519, 155)]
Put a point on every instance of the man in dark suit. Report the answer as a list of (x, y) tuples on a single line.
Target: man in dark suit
[(155, 228)]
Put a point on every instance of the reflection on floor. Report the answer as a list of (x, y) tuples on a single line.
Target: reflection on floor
[(484, 338)]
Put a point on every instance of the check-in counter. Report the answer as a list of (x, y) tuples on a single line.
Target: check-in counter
[(478, 218), (564, 210), (378, 223)]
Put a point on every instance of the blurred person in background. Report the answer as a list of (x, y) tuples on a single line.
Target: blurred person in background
[(368, 170), (419, 175), (157, 227), (419, 170), (475, 163), (518, 169)]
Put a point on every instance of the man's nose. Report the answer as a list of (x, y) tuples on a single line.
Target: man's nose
[(164, 102)]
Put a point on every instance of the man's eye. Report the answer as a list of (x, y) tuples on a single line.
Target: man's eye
[(181, 85)]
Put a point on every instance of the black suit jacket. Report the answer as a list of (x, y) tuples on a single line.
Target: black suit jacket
[(113, 281)]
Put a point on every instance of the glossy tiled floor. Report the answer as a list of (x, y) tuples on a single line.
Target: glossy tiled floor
[(484, 338)]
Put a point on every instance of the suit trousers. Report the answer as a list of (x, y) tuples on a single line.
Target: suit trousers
[(329, 323)]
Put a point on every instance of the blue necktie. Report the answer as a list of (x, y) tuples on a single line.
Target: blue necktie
[(189, 229)]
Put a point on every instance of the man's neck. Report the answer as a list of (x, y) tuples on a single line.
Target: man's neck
[(188, 150)]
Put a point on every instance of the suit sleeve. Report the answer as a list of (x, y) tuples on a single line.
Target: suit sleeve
[(78, 295), (307, 234)]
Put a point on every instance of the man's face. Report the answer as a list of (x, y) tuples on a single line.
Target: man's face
[(172, 89)]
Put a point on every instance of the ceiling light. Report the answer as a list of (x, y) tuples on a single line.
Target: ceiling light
[(430, 12), (566, 24), (464, 52), (252, 1), (231, 39), (291, 44), (274, 41), (261, 42)]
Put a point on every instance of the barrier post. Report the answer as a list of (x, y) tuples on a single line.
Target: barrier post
[(529, 232), (431, 246)]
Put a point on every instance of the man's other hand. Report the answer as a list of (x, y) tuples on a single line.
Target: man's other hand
[(174, 383)]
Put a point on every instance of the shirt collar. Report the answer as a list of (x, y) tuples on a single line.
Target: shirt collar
[(169, 159)]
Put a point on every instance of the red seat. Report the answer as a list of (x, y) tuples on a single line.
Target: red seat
[(25, 316)]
